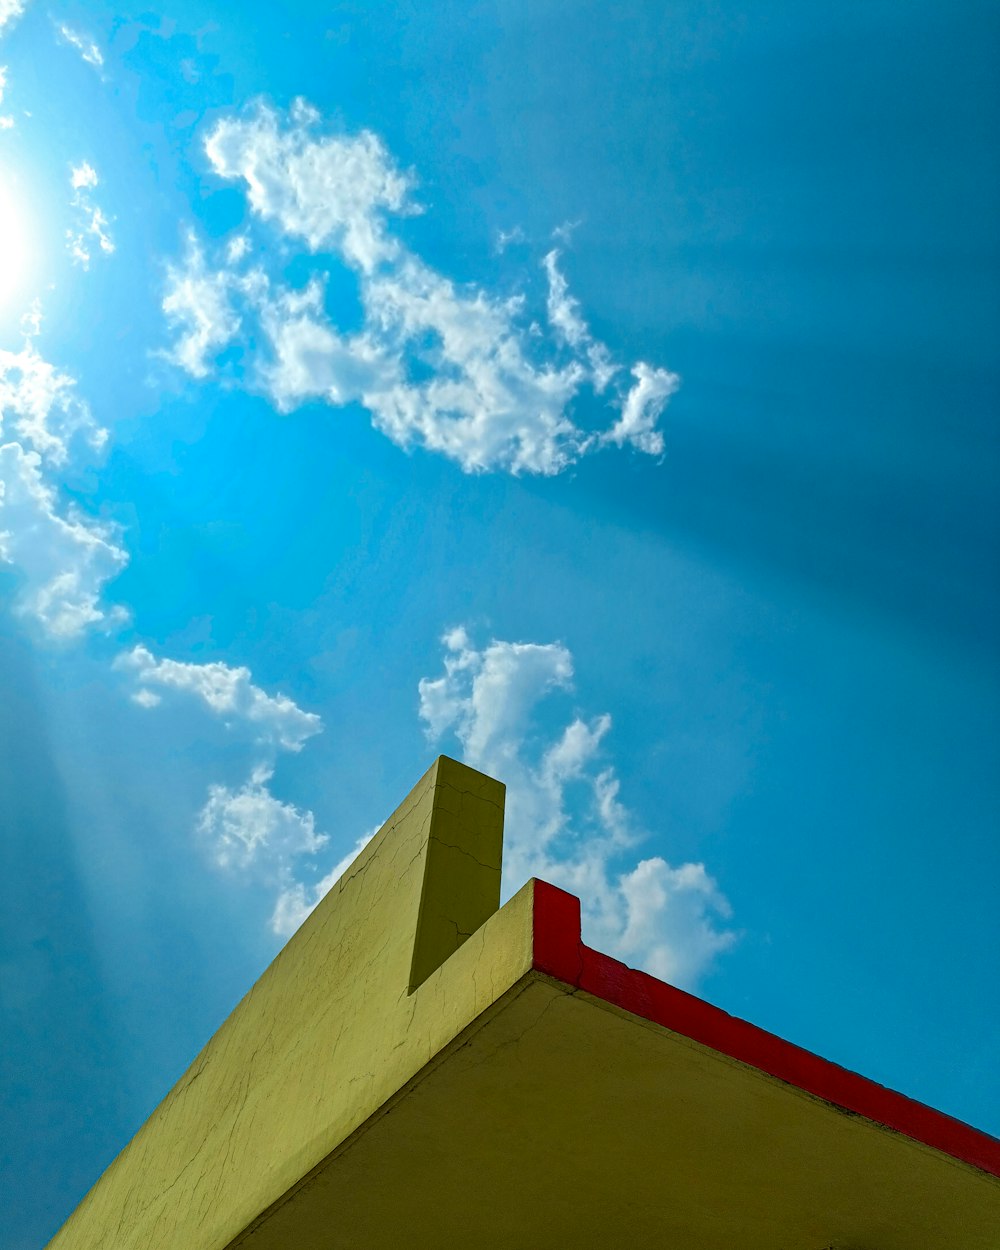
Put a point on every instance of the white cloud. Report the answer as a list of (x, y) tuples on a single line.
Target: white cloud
[(250, 832), (565, 821), (565, 232), (331, 191), (82, 176), (92, 227), (86, 47), (237, 248), (64, 556), (563, 309), (228, 691), (310, 359), (249, 829), (643, 407), (198, 307), (483, 402), (485, 697), (669, 919), (451, 368), (508, 238), (564, 317), (297, 901), (6, 121), (31, 321), (10, 11), (39, 403)]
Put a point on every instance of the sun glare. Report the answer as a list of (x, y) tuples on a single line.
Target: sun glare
[(15, 243)]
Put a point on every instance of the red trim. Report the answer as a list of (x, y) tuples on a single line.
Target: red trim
[(560, 953)]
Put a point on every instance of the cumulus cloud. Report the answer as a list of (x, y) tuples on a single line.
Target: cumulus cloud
[(565, 231), (332, 191), (228, 691), (310, 359), (642, 409), (237, 248), (199, 309), (448, 367), (258, 837), (485, 697), (31, 321), (563, 309), (83, 44), (249, 829), (6, 121), (565, 318), (92, 227), (82, 176), (10, 11), (508, 238), (297, 901), (64, 556), (252, 834), (565, 821), (39, 402), (482, 401), (670, 925)]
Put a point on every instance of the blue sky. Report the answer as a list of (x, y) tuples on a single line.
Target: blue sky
[(607, 398)]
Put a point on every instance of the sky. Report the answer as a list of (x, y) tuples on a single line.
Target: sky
[(603, 395)]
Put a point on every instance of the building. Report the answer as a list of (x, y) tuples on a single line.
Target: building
[(419, 1067)]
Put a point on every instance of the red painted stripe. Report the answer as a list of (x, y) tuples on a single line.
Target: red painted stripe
[(560, 953)]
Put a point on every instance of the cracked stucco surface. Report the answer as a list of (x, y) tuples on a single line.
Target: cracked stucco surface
[(391, 1081), (564, 1121), (377, 981)]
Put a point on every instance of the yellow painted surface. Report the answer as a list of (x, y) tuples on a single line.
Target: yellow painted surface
[(562, 1121), (329, 1032), (491, 1106)]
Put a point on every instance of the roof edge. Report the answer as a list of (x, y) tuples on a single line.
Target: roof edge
[(559, 952)]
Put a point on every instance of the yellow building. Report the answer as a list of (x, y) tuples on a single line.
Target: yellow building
[(420, 1067)]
